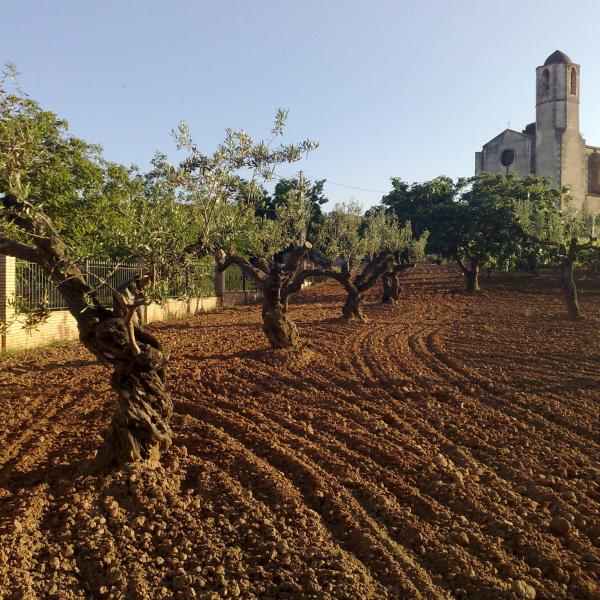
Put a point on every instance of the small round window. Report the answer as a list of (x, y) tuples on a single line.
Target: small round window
[(507, 157)]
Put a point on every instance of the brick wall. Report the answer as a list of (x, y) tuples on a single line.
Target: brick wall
[(59, 327)]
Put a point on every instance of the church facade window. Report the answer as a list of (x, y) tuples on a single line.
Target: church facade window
[(507, 157), (573, 81)]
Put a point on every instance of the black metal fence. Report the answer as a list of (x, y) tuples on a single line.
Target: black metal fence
[(236, 280), (35, 288), (197, 279)]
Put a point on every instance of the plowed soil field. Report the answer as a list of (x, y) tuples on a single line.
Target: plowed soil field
[(447, 448)]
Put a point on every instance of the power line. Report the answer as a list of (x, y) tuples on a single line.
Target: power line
[(352, 187)]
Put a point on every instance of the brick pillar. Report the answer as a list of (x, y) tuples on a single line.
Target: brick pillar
[(8, 288), (219, 285)]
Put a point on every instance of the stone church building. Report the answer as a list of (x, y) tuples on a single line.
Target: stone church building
[(552, 146)]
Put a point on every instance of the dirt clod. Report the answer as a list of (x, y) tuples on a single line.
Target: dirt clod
[(560, 525), (523, 590)]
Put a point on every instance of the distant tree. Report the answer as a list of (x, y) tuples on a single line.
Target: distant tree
[(274, 252), (413, 202), (471, 222), (497, 221), (566, 235), (287, 190), (362, 247), (400, 263)]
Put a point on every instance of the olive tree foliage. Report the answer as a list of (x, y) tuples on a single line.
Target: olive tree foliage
[(60, 201), (226, 189), (161, 226), (362, 247), (564, 234)]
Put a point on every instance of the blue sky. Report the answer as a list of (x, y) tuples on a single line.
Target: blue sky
[(389, 88)]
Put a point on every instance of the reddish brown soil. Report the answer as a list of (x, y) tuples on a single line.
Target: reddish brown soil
[(446, 449)]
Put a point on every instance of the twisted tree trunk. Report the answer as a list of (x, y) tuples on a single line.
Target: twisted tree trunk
[(570, 292), (280, 331), (353, 306), (471, 272), (277, 281), (391, 288), (130, 290), (140, 426), (472, 276), (355, 284), (567, 281)]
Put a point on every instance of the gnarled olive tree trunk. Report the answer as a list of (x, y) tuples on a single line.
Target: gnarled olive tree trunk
[(361, 283), (391, 288), (472, 276), (391, 278), (470, 272), (140, 426), (570, 291), (131, 289), (277, 282), (567, 281), (353, 306), (280, 331)]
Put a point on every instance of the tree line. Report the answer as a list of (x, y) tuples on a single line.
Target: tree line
[(62, 201)]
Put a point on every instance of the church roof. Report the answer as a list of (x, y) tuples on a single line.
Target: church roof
[(505, 133), (557, 58)]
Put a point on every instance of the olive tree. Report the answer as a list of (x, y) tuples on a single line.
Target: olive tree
[(361, 246), (549, 220), (273, 254), (269, 249), (59, 198), (401, 261), (286, 189)]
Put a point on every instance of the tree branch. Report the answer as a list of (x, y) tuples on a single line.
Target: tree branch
[(295, 257), (19, 250), (372, 267), (342, 277), (198, 249), (263, 265), (51, 252), (376, 270), (403, 267), (296, 284), (459, 262), (224, 261)]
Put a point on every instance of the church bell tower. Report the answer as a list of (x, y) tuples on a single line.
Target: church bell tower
[(559, 147)]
